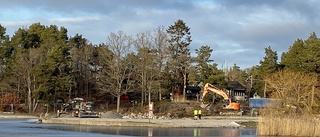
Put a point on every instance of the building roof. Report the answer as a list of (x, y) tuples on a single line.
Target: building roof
[(193, 88), (235, 85)]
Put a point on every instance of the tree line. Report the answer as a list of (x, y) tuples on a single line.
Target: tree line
[(42, 64)]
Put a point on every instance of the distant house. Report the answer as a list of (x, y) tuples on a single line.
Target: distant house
[(236, 90), (192, 92)]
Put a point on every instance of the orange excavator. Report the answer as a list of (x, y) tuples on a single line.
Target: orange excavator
[(228, 105)]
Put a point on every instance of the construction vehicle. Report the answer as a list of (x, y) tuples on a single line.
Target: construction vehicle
[(228, 108), (79, 108)]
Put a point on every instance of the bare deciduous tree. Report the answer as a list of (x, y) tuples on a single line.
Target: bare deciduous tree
[(145, 64), (115, 77), (23, 70), (295, 89), (161, 44)]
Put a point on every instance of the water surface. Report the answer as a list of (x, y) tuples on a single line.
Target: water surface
[(30, 128)]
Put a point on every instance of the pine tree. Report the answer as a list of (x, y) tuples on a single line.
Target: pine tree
[(203, 60), (269, 64), (179, 41)]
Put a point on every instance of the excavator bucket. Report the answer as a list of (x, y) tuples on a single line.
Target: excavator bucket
[(203, 105)]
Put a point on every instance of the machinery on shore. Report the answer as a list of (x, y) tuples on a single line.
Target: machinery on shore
[(228, 108), (258, 103), (79, 108)]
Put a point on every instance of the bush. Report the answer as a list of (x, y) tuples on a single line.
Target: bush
[(7, 100)]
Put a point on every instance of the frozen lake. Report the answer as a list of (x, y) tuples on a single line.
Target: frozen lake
[(30, 128)]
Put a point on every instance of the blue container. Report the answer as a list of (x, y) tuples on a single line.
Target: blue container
[(263, 102)]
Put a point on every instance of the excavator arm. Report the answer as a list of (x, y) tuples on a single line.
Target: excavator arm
[(208, 87)]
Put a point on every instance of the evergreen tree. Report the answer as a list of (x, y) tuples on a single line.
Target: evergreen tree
[(217, 77), (82, 57), (179, 41), (234, 73), (311, 54), (193, 76), (53, 72), (6, 49), (269, 63), (202, 63), (2, 34), (26, 56), (293, 58), (37, 64), (267, 66), (303, 55)]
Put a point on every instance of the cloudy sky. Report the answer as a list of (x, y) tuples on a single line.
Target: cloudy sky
[(236, 30)]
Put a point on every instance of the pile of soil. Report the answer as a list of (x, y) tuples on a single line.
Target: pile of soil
[(176, 109)]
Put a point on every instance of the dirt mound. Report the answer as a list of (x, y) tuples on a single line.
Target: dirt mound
[(164, 109), (176, 109), (110, 114)]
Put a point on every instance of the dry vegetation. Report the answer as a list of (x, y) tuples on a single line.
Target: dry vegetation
[(179, 98), (299, 115), (7, 100), (281, 124)]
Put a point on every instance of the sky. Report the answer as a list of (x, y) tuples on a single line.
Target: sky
[(238, 31)]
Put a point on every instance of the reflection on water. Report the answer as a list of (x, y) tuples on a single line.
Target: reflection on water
[(144, 131), (29, 128)]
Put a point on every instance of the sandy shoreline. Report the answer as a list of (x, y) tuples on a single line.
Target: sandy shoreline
[(8, 115), (209, 121)]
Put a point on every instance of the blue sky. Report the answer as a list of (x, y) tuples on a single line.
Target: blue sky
[(236, 30)]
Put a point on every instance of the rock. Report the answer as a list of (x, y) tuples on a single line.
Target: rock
[(234, 124)]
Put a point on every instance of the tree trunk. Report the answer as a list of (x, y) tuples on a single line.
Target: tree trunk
[(35, 106), (143, 85), (149, 93), (142, 99), (29, 93), (29, 101), (118, 103), (159, 92), (184, 83), (160, 96)]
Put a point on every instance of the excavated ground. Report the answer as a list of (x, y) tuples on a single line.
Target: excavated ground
[(163, 110)]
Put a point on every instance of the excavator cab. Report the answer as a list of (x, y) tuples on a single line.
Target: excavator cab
[(77, 103), (225, 103)]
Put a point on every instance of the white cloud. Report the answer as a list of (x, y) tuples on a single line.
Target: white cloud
[(76, 19), (237, 30), (17, 24)]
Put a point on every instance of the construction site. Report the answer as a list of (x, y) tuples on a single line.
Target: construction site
[(220, 108), (212, 101)]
